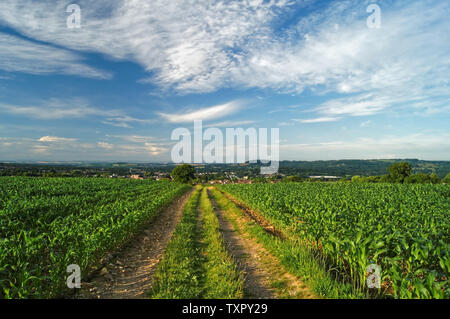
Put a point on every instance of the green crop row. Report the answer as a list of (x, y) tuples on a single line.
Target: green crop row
[(404, 229), (47, 224)]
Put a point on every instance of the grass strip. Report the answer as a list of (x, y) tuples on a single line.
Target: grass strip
[(298, 259), (179, 272), (222, 279)]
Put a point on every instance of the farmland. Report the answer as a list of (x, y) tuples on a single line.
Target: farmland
[(285, 240), (402, 228), (47, 224)]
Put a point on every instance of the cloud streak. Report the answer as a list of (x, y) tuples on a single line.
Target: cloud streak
[(55, 139), (55, 109), (18, 55), (204, 114)]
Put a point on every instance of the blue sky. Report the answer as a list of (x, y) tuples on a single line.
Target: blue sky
[(117, 87)]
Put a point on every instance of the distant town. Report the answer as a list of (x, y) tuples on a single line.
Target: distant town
[(246, 173)]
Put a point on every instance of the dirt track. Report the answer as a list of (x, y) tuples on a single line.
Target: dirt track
[(129, 275), (265, 277)]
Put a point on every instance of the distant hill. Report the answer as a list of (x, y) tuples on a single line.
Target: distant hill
[(346, 168), (341, 168)]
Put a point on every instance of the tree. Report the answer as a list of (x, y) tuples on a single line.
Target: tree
[(399, 171), (434, 178), (289, 179), (356, 179), (386, 179), (183, 173), (446, 179), (420, 178)]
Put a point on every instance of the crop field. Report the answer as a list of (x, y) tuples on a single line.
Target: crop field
[(404, 229), (47, 224), (285, 240)]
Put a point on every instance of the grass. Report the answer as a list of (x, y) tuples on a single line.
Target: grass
[(196, 263), (178, 274), (297, 258), (222, 279)]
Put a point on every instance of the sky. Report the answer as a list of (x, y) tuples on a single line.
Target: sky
[(339, 80)]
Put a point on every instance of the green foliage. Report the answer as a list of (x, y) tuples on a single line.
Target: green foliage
[(178, 274), (222, 279), (434, 178), (183, 173), (417, 179), (291, 179), (196, 263), (297, 258), (47, 224), (386, 179), (402, 228), (368, 179), (446, 179), (399, 171)]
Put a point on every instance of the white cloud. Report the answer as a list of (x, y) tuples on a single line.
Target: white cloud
[(204, 114), (134, 138), (155, 149), (405, 64), (365, 123), (57, 109), (106, 146), (56, 139), (317, 120), (54, 109), (70, 149), (117, 124), (230, 124), (18, 55), (202, 46), (124, 120), (189, 44)]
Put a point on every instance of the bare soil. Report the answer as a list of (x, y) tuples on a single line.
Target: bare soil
[(129, 275)]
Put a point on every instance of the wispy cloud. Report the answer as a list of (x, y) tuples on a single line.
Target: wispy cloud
[(18, 55), (54, 109), (317, 120), (134, 138), (204, 114), (125, 120), (61, 148), (230, 123), (192, 54), (56, 139), (105, 145), (234, 44), (365, 123), (57, 109)]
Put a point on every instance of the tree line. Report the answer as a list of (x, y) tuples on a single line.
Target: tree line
[(402, 173)]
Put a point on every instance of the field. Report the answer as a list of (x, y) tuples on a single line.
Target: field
[(47, 224), (285, 240), (402, 228)]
